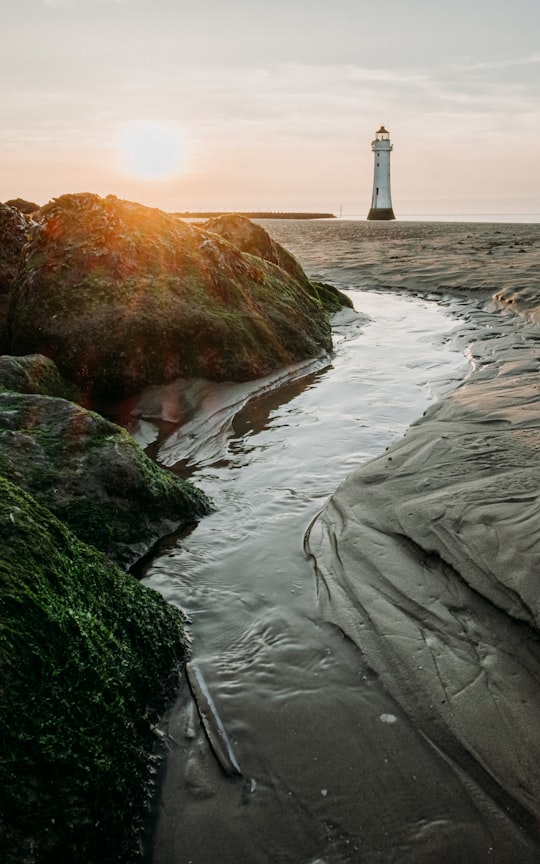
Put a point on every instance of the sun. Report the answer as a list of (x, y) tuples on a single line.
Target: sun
[(152, 150)]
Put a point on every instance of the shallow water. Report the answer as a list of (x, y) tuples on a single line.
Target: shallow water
[(270, 464), (333, 770)]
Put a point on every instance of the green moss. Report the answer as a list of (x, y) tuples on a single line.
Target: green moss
[(88, 657), (172, 299), (332, 298), (34, 373), (92, 475)]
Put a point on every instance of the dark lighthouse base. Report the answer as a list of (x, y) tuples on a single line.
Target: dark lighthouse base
[(381, 213)]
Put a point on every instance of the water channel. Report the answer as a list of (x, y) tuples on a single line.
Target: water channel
[(333, 771)]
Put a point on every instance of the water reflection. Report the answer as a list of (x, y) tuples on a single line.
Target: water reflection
[(256, 414)]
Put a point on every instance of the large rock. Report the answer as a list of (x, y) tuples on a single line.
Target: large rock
[(92, 476), (23, 205), (88, 659), (122, 296), (254, 240), (13, 232), (34, 373)]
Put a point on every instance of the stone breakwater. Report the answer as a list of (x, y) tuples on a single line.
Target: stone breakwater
[(428, 558)]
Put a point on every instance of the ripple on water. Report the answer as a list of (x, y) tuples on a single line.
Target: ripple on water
[(270, 461)]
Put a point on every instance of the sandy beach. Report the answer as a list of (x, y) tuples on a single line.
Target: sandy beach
[(428, 557)]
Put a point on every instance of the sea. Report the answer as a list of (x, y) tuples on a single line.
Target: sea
[(333, 770), (463, 218)]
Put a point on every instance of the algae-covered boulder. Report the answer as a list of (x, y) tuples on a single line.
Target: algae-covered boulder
[(122, 296), (23, 205), (92, 475), (253, 239), (88, 658), (34, 373), (13, 230)]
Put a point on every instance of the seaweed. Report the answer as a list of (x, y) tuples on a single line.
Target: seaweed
[(88, 659), (92, 475)]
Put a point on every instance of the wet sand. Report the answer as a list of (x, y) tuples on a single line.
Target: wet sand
[(414, 736), (429, 556)]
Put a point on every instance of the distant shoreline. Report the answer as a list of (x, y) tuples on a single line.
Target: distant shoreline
[(265, 214)]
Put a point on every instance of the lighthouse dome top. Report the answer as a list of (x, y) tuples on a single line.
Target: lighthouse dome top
[(381, 143)]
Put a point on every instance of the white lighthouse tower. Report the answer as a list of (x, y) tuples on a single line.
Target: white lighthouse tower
[(381, 200)]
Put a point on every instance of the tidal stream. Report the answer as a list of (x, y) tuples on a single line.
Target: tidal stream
[(333, 770)]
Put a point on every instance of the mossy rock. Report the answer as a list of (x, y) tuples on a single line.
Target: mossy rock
[(122, 296), (88, 658), (35, 373), (14, 227), (254, 240), (92, 475), (331, 297), (27, 207)]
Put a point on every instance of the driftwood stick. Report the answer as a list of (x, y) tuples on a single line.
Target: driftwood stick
[(215, 731)]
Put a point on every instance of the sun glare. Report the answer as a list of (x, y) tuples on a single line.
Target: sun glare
[(152, 150)]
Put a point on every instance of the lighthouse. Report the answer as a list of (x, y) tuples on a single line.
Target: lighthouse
[(381, 200)]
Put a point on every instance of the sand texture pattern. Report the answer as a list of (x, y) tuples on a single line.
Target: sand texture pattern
[(428, 558)]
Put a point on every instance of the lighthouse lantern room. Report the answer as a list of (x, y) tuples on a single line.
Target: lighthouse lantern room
[(381, 200)]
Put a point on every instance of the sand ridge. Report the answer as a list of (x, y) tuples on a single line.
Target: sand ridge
[(428, 557)]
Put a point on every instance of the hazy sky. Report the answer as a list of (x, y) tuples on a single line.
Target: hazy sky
[(237, 104)]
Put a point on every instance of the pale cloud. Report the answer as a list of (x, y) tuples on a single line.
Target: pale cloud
[(506, 63), (287, 101), (75, 3)]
